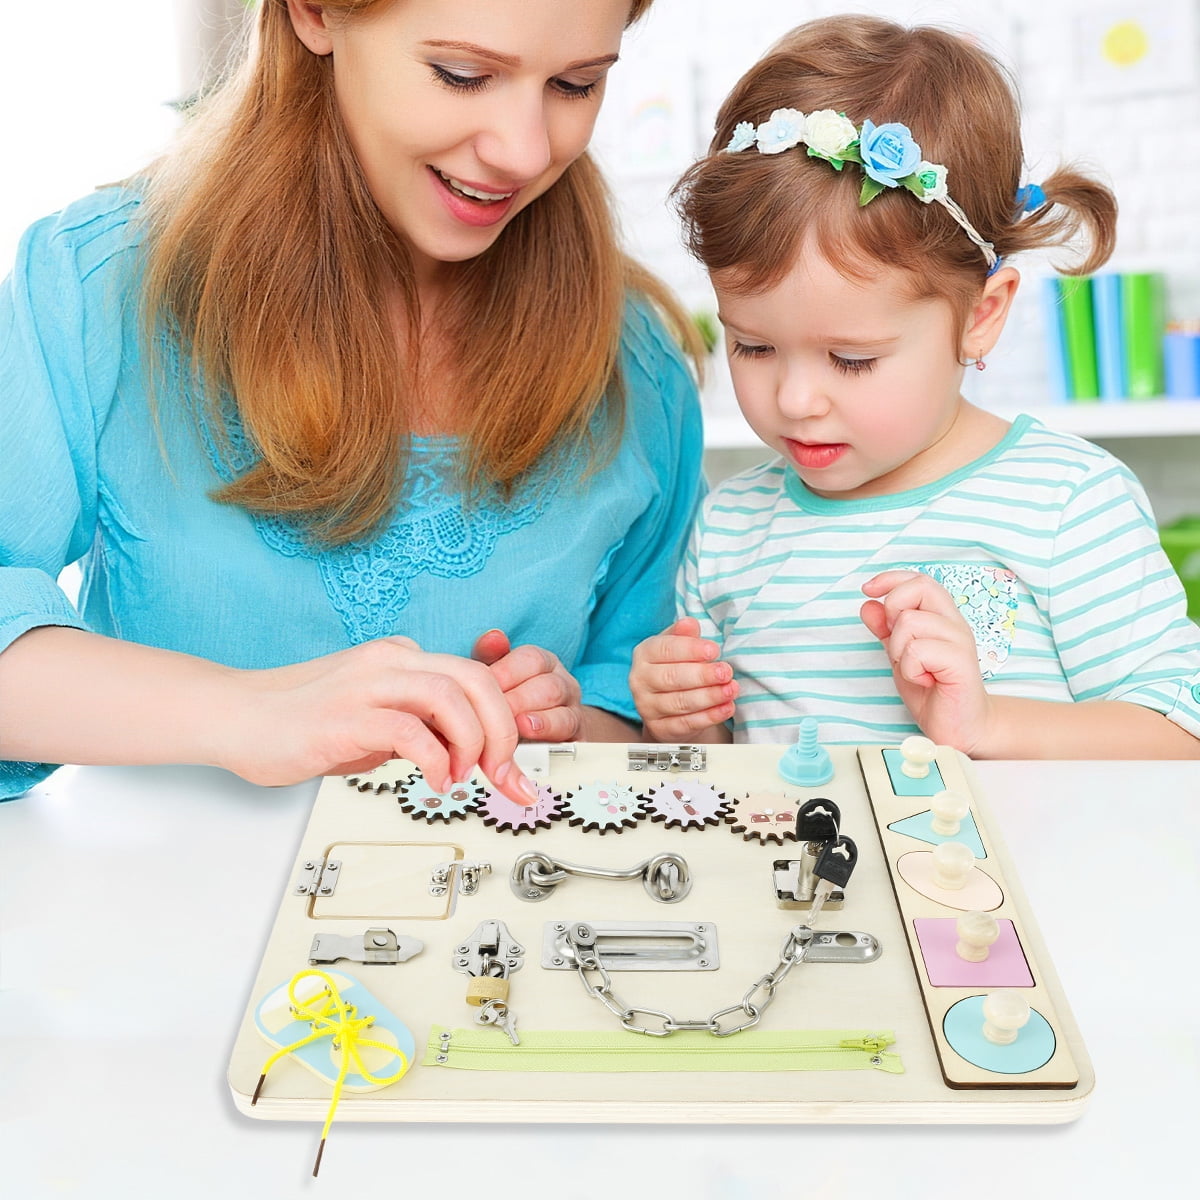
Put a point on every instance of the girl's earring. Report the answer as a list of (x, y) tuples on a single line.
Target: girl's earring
[(980, 365)]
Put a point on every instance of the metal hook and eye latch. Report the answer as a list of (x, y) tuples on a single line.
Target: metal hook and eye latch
[(666, 877)]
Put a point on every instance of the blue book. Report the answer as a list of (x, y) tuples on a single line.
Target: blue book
[(1058, 367), (1110, 339)]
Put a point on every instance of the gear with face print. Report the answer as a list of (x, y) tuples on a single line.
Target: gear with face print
[(764, 817), (381, 780), (602, 807), (420, 801), (502, 813), (685, 803)]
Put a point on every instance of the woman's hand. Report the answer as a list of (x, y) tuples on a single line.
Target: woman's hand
[(356, 709), (543, 697), (680, 690), (934, 660)]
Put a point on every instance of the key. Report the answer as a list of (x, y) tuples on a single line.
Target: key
[(508, 1023), (833, 869), (817, 820), (496, 1012)]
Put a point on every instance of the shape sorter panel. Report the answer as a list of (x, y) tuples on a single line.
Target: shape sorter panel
[(1045, 1051), (731, 822)]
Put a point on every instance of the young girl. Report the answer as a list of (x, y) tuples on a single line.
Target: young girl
[(355, 374), (858, 212)]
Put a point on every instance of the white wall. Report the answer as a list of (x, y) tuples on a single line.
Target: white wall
[(85, 91)]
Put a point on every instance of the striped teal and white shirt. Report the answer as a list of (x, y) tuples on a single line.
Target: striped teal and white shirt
[(1047, 544)]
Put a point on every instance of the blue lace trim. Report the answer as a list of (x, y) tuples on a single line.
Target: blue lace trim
[(433, 531)]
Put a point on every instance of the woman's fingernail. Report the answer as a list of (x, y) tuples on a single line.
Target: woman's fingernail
[(529, 788), (500, 774), (536, 724)]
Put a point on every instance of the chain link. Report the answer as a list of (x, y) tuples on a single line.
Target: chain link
[(754, 1003)]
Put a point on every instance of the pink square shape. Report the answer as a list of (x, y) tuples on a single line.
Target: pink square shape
[(1005, 965)]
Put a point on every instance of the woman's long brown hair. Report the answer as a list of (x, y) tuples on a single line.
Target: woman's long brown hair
[(269, 265)]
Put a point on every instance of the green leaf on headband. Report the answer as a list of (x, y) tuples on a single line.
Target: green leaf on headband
[(914, 185), (851, 154), (870, 189), (836, 163)]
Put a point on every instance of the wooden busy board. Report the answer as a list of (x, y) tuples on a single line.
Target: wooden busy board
[(391, 839)]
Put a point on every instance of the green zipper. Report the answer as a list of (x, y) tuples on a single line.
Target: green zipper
[(686, 1050)]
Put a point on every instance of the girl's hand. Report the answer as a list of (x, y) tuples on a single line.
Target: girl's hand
[(543, 697), (356, 709), (933, 656), (678, 686)]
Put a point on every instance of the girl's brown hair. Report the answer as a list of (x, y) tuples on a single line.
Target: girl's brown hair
[(270, 265), (746, 215)]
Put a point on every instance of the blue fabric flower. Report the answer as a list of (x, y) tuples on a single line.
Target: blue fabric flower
[(743, 137), (784, 130), (889, 153)]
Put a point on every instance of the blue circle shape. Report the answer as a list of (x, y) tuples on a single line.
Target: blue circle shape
[(1033, 1048)]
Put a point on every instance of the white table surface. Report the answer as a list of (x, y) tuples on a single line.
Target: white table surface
[(135, 905)]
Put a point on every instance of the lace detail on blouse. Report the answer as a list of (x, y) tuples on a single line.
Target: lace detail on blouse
[(433, 531)]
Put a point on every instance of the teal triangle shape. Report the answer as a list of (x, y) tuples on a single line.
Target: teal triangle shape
[(921, 828)]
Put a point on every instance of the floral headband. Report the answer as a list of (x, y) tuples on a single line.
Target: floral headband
[(887, 154)]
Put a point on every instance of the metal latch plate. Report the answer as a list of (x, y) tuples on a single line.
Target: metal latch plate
[(637, 946)]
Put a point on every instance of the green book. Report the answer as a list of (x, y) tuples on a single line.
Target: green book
[(1079, 336), (1142, 319)]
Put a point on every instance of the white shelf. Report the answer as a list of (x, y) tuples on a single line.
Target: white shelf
[(1099, 419)]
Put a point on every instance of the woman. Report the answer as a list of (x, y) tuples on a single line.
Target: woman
[(354, 376)]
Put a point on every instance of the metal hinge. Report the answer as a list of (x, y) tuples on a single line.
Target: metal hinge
[(318, 877)]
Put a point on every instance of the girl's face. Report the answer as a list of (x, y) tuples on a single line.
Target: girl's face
[(856, 385), (463, 112)]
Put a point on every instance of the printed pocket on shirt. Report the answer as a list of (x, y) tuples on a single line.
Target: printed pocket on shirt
[(987, 598)]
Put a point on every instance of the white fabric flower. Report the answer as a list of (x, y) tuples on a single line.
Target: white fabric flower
[(932, 177), (743, 137), (784, 130), (828, 133)]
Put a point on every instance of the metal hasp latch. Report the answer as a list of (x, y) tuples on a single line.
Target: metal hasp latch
[(374, 946), (631, 945), (318, 877), (667, 758), (796, 879), (469, 875), (490, 950), (665, 876)]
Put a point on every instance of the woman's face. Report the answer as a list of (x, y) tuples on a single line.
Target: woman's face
[(463, 112)]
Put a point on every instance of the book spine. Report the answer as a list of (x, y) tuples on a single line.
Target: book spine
[(1080, 336), (1110, 341), (1057, 368), (1181, 362), (1142, 310)]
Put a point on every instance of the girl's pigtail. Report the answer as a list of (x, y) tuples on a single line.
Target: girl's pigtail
[(1079, 213)]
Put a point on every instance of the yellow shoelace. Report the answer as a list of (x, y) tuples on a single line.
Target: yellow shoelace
[(331, 1017)]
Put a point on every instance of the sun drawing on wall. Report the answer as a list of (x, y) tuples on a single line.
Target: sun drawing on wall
[(1125, 44)]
